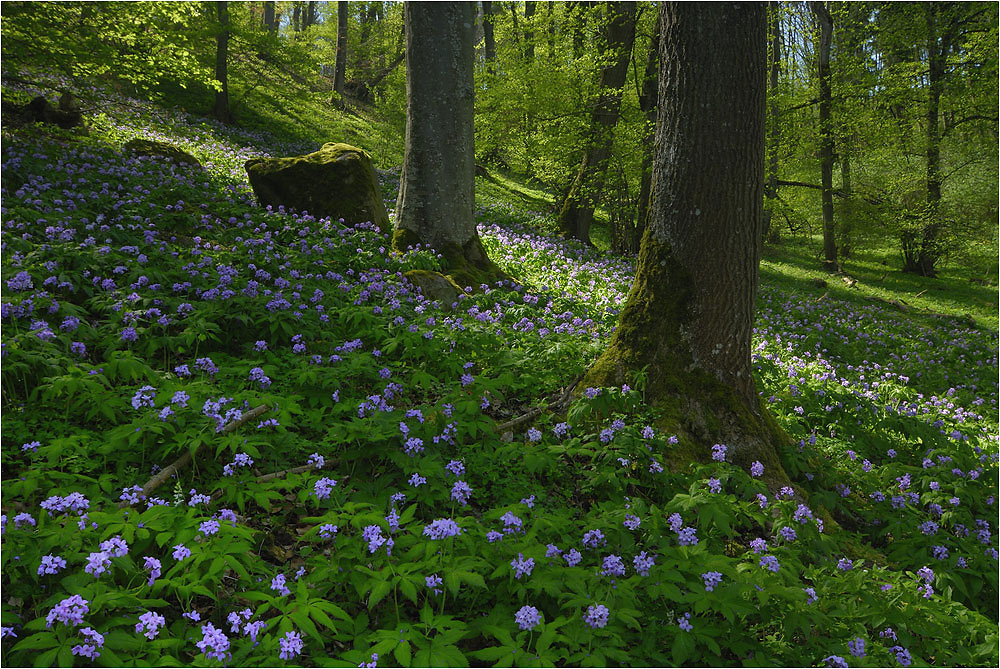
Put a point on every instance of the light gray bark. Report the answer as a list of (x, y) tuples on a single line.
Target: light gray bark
[(437, 186)]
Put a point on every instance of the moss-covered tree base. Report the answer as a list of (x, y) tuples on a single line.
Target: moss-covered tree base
[(465, 264), (654, 335)]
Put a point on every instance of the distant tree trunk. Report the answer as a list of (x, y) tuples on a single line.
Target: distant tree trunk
[(774, 116), (825, 21), (647, 104), (576, 13), (221, 109), (938, 46), (269, 21), (550, 17), (577, 211), (311, 13), (297, 17), (529, 34), (689, 315), (340, 66), (436, 195), (489, 42)]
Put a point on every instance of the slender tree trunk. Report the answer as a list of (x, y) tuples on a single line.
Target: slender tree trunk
[(938, 47), (529, 34), (577, 213), (689, 315), (436, 195), (774, 116), (489, 43), (311, 13), (550, 17), (647, 104), (825, 21), (297, 17), (340, 65), (847, 189), (576, 18), (269, 21), (221, 109)]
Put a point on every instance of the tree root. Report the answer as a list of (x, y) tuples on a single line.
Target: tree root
[(558, 404)]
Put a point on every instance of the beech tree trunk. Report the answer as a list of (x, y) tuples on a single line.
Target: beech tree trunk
[(689, 315), (825, 21), (577, 213), (220, 109), (436, 193), (340, 65)]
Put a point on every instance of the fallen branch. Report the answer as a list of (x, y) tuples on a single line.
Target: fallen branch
[(537, 411), (921, 293), (161, 477)]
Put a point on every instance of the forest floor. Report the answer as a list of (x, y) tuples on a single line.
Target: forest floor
[(364, 476)]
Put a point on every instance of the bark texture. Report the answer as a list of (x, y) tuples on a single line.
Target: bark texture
[(647, 104), (577, 213), (689, 315), (825, 21), (436, 194)]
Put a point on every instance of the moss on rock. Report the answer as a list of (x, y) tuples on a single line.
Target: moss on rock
[(338, 181), (155, 149)]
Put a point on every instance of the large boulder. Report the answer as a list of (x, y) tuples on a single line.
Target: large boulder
[(337, 181), (154, 149), (39, 110)]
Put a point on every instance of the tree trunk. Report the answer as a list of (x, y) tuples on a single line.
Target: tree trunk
[(297, 17), (269, 22), (489, 42), (577, 213), (550, 17), (311, 13), (938, 47), (436, 194), (689, 315), (647, 104), (529, 34), (340, 65), (773, 115), (221, 109), (825, 21), (576, 13)]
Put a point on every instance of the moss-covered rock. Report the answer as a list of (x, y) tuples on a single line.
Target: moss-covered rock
[(154, 149), (337, 181), (434, 285)]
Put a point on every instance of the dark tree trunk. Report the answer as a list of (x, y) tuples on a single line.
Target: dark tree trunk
[(221, 109), (297, 17), (311, 13), (550, 17), (436, 194), (938, 46), (689, 315), (576, 13), (340, 65), (269, 21), (647, 104), (825, 21), (489, 42), (773, 114), (577, 213), (529, 34)]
